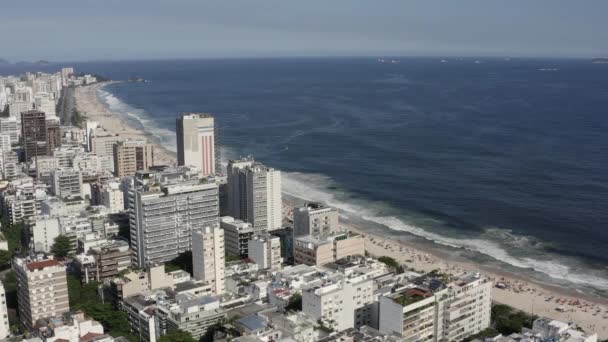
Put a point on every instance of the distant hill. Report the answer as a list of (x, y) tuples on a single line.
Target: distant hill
[(40, 62), (4, 61)]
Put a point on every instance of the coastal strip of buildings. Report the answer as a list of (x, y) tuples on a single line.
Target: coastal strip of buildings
[(247, 273)]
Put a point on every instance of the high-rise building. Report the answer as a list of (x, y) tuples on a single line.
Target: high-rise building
[(42, 290), (131, 156), (265, 251), (5, 329), (236, 187), (33, 132), (314, 219), (54, 135), (10, 126), (208, 257), (162, 218), (254, 192), (5, 142), (197, 143)]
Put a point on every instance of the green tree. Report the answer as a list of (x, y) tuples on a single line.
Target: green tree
[(177, 336), (506, 320), (391, 263), (295, 303), (85, 298), (5, 259), (61, 247), (13, 234)]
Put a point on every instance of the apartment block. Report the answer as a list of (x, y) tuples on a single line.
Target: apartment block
[(131, 156), (208, 257), (311, 250), (265, 251), (314, 219), (254, 193), (42, 289), (431, 309), (162, 218)]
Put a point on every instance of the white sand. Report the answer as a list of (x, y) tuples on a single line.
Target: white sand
[(93, 109)]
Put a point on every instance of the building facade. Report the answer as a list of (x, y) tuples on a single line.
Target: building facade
[(131, 156), (254, 192), (34, 134), (162, 218), (5, 329), (208, 257), (310, 250), (265, 251), (314, 219), (196, 142), (66, 182), (42, 290)]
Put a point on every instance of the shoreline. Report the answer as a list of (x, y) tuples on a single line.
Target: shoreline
[(521, 293), (88, 103)]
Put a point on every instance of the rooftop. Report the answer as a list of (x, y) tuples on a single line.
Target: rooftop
[(38, 265), (411, 296)]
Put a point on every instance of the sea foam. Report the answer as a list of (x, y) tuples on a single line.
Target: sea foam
[(317, 187)]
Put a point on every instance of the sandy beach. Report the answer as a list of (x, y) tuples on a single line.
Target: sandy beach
[(588, 312), (88, 103)]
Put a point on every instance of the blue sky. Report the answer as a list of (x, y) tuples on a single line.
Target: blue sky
[(69, 30)]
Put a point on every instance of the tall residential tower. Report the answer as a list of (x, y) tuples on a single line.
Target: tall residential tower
[(196, 143), (163, 216), (254, 193)]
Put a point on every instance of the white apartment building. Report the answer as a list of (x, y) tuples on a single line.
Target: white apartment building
[(66, 182), (237, 234), (162, 218), (323, 249), (5, 142), (11, 127), (208, 257), (314, 219), (265, 251), (450, 312), (44, 232), (340, 301), (5, 329), (254, 193), (112, 197), (42, 289), (196, 142)]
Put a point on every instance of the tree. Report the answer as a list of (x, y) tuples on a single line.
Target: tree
[(5, 259), (391, 263), (295, 303), (177, 336), (13, 234), (507, 320), (85, 298), (62, 246)]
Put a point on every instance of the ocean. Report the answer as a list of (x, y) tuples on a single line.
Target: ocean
[(502, 162)]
